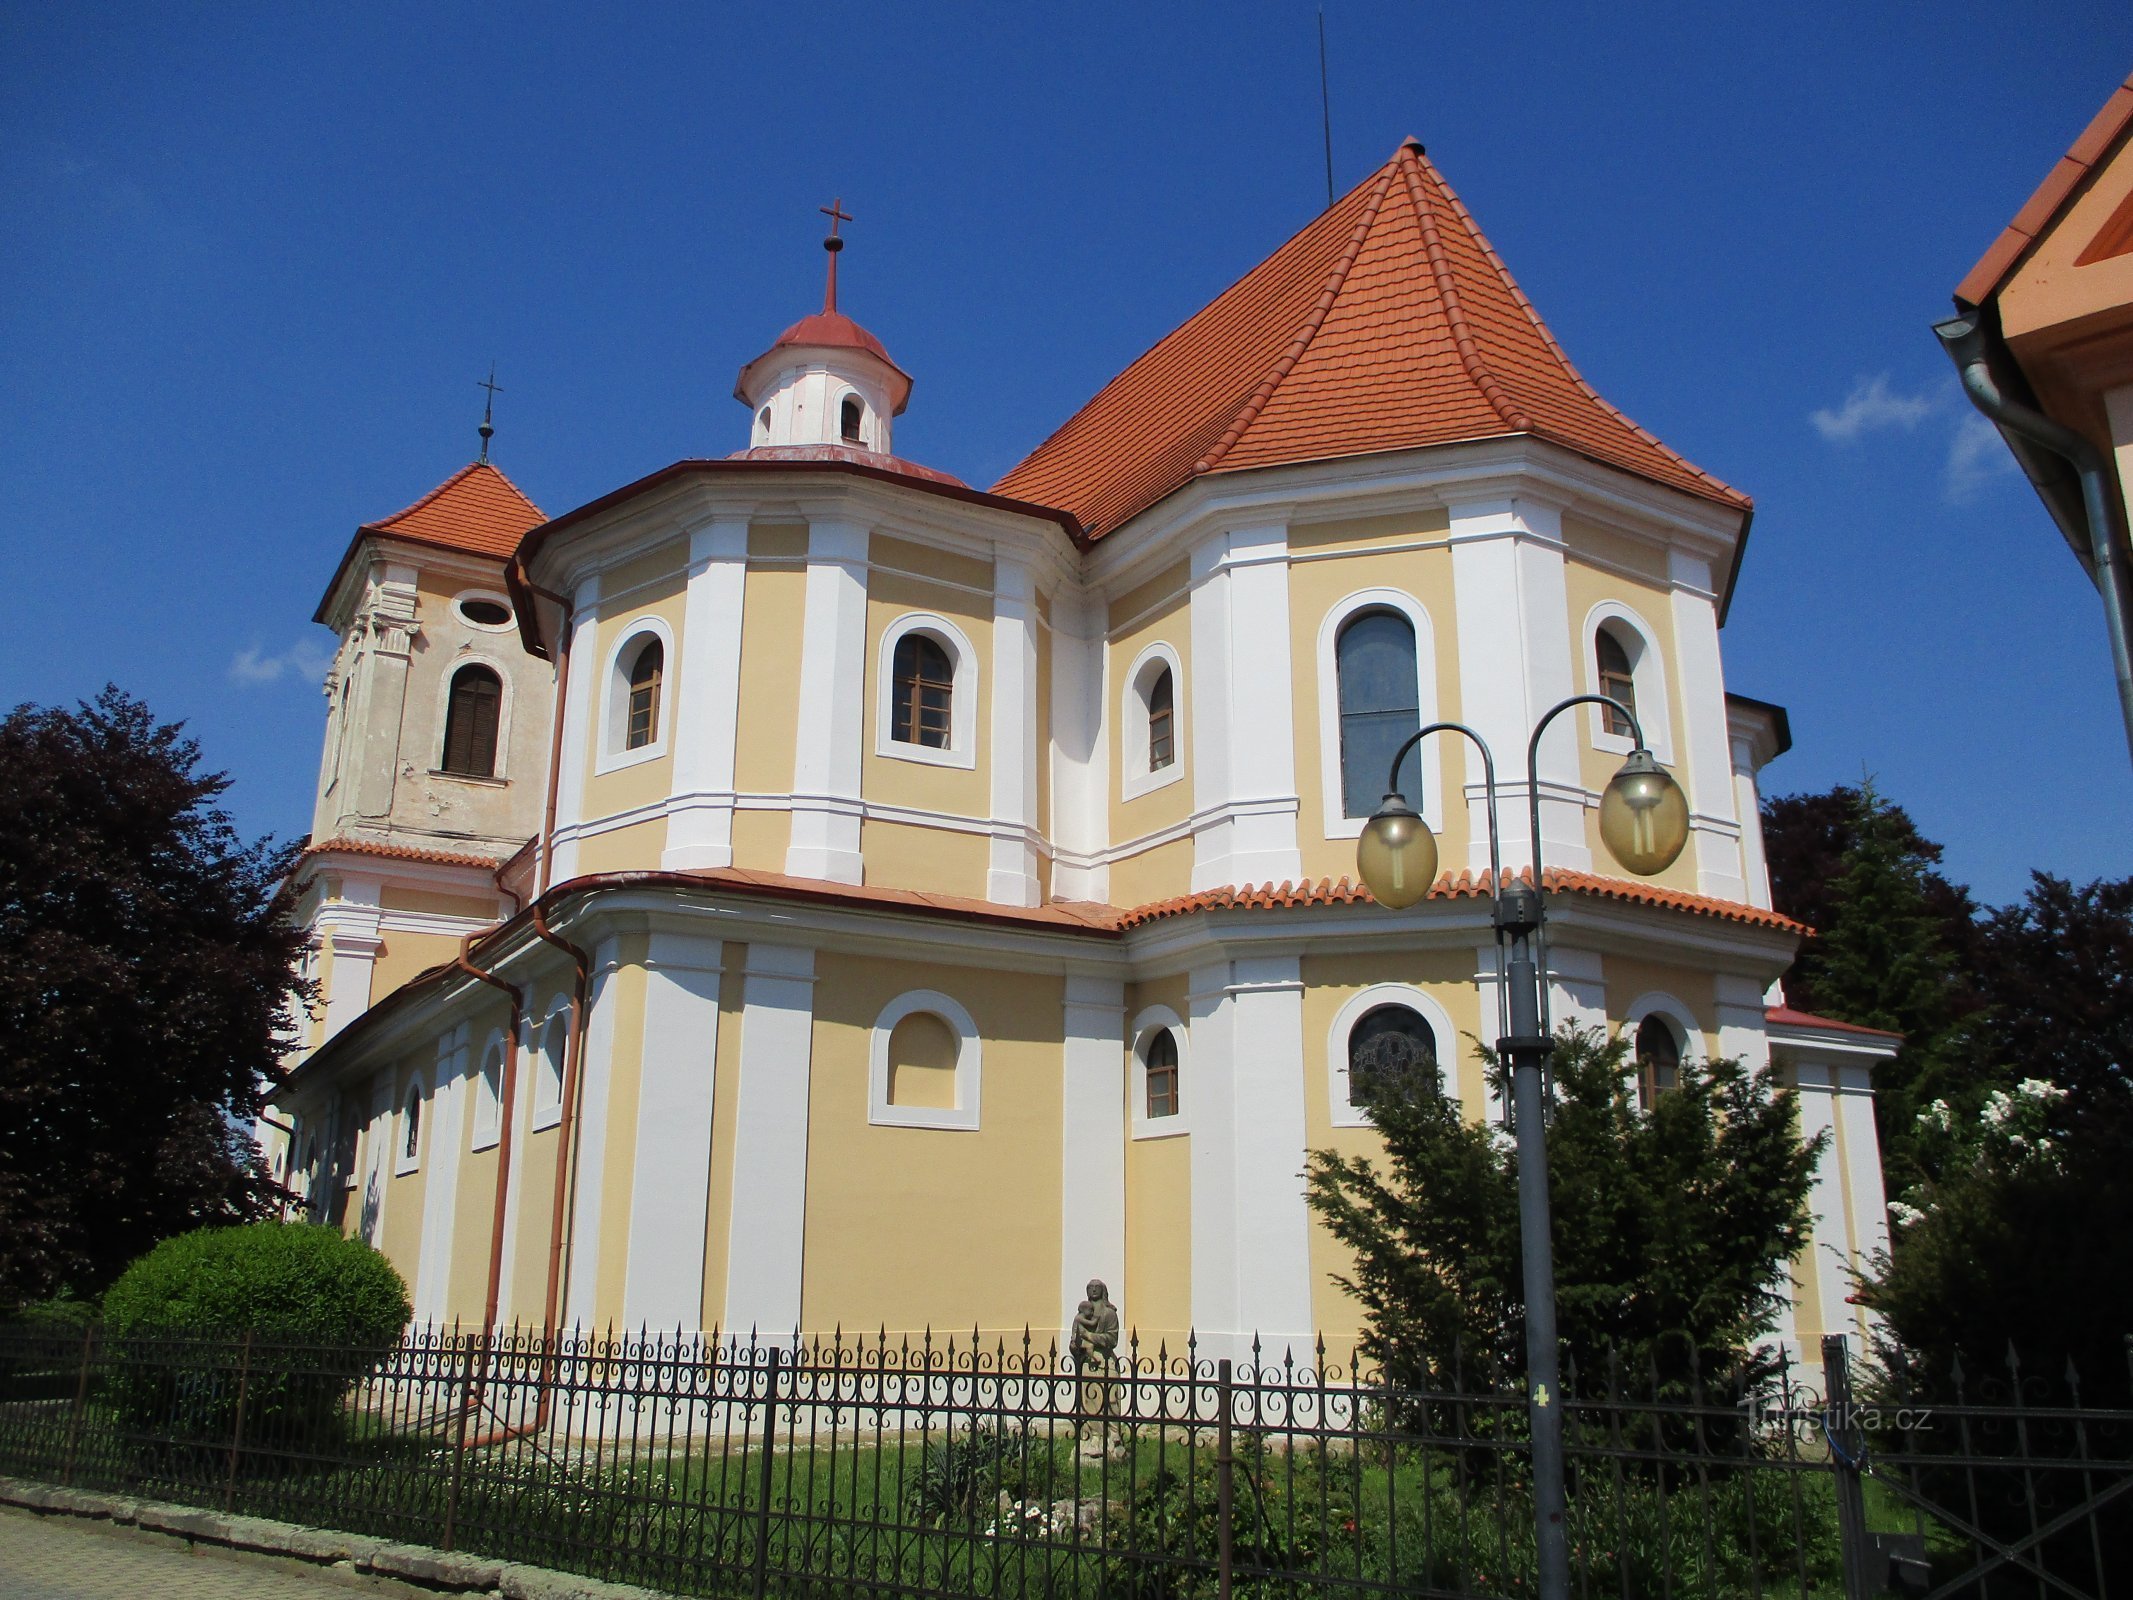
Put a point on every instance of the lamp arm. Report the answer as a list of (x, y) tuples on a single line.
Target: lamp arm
[(1488, 783), (1533, 794)]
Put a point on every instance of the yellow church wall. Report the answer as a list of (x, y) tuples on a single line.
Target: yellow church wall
[(725, 1096), (533, 1169), (654, 585), (626, 993), (760, 839), (1355, 561), (1586, 587), (958, 791), (1157, 1295), (635, 848), (1628, 979), (400, 1236), (479, 907), (1158, 873), (977, 1218), (1330, 982), (473, 1217), (902, 855), (890, 556), (406, 955), (314, 1029), (1157, 612)]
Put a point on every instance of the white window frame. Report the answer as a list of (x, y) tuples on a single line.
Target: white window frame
[(1452, 1068), (487, 1122), (546, 1113), (1430, 802), (615, 701), (962, 748), (509, 624), (962, 1117), (471, 657), (1145, 1027), (417, 1091), (1135, 778), (1647, 670)]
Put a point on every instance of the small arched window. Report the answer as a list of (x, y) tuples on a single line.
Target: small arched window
[(1658, 1060), (1389, 1046), (762, 420), (548, 1071), (849, 417), (925, 689), (645, 674), (922, 1062), (1380, 706), (411, 1125), (1617, 681), (1162, 722), (1161, 1059), (470, 722)]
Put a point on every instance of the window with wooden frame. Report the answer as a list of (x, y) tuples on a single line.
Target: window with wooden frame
[(1380, 706), (920, 712), (1617, 681), (1161, 1076), (1658, 1060), (850, 416), (470, 722), (645, 673), (1162, 722)]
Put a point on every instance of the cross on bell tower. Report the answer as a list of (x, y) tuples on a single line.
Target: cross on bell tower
[(837, 214)]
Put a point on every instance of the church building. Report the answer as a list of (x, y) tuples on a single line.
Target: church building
[(799, 889)]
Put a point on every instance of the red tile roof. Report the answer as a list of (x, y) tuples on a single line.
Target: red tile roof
[(1786, 1017), (1997, 264), (1386, 324), (397, 852), (477, 508)]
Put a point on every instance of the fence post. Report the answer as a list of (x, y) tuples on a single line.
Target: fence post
[(459, 1446), (1225, 1498), (762, 1512), (244, 1378), (81, 1404), (1844, 1457)]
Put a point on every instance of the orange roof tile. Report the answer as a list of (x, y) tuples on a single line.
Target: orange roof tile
[(1386, 324), (477, 508), (397, 852), (1786, 1017), (1997, 264)]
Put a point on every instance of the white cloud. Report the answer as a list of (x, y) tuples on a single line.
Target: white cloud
[(1872, 406), (304, 661), (1976, 455)]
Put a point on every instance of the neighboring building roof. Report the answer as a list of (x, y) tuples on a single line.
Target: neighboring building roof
[(1786, 1017), (829, 330), (477, 510), (2052, 196), (851, 453), (1386, 324), (398, 852)]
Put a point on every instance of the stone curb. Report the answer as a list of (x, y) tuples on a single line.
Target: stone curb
[(446, 1571)]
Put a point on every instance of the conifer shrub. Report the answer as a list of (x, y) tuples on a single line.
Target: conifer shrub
[(320, 1310)]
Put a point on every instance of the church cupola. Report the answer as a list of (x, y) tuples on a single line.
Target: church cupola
[(826, 382)]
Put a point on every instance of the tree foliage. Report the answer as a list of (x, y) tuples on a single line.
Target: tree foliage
[(1672, 1228), (147, 969)]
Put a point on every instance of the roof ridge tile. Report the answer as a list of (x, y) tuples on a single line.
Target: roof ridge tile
[(1492, 390)]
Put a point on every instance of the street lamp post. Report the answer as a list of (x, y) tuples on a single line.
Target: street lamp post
[(1644, 821)]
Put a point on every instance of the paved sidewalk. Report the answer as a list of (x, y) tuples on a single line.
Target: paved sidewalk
[(64, 1558)]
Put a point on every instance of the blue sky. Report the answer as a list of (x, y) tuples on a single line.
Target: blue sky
[(257, 257)]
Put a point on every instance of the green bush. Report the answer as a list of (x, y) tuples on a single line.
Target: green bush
[(321, 1310)]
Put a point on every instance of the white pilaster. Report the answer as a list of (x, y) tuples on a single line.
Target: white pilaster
[(707, 711), (577, 714), (670, 1183), (1251, 1250), (1827, 1255), (588, 1172), (1707, 767), (1742, 1028), (1577, 987), (769, 1211), (826, 760), (1081, 753), (355, 959), (1513, 627), (1092, 1235), (1012, 876), (1244, 754), (444, 1141)]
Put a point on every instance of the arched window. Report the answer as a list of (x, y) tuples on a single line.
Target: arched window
[(923, 1064), (1379, 707), (849, 417), (645, 673), (1162, 722), (410, 1128), (922, 1053), (470, 721), (1388, 1046), (921, 709), (762, 420), (1658, 1060), (1161, 1058), (1617, 681), (548, 1071)]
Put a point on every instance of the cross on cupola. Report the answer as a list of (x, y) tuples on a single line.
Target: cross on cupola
[(833, 244), (488, 409)]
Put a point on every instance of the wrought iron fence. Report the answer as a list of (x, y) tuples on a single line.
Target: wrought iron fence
[(715, 1466)]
